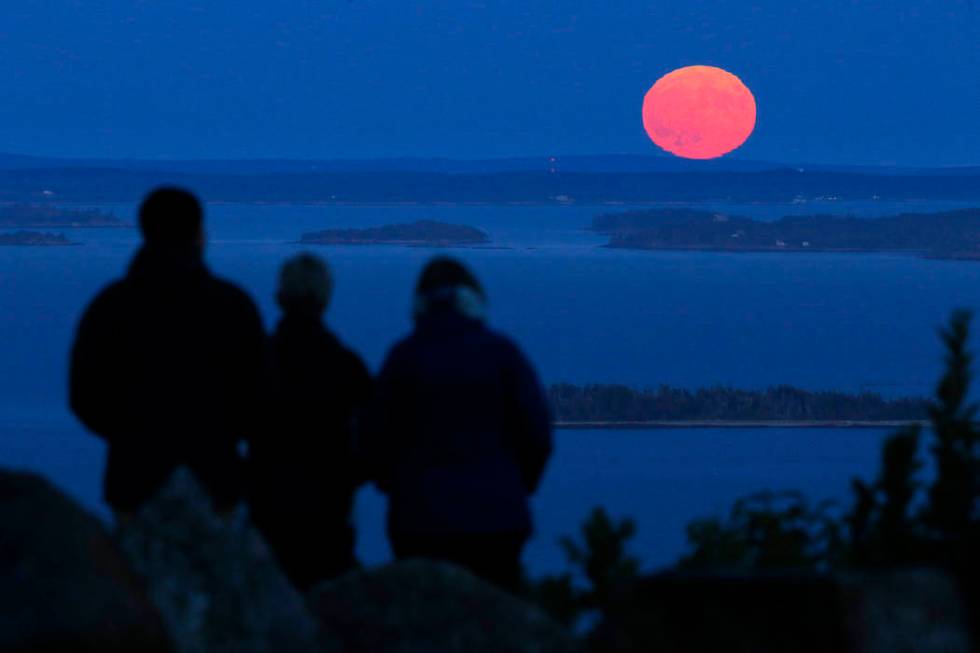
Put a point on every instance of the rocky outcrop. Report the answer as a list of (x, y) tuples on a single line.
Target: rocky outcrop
[(420, 607), (63, 585), (212, 577), (907, 611)]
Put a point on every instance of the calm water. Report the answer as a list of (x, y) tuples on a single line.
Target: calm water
[(582, 313)]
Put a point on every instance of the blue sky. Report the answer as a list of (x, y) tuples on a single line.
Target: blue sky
[(836, 81)]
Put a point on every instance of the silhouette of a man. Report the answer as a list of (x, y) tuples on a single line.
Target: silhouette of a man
[(169, 364), (303, 470)]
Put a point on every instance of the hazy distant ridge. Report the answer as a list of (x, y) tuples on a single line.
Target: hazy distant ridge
[(786, 185)]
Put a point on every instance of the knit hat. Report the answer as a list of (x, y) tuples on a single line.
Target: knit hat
[(304, 284), (445, 283)]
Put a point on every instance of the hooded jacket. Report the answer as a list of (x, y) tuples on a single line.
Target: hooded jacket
[(304, 463), (168, 367), (460, 432)]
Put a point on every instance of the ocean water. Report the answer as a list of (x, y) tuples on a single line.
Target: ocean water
[(582, 313)]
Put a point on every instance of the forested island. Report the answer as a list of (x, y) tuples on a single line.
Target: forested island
[(34, 239), (948, 234), (40, 216), (612, 405), (421, 233)]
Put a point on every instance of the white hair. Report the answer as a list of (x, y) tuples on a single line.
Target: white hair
[(304, 280)]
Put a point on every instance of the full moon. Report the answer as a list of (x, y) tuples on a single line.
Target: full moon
[(699, 112)]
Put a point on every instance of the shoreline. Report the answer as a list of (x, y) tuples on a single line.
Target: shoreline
[(725, 424), (589, 203)]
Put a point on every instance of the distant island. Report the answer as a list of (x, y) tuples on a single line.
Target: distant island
[(421, 233), (614, 406), (40, 216), (947, 235), (34, 239)]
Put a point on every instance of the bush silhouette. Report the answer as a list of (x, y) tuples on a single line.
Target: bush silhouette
[(882, 528), (895, 520), (600, 559)]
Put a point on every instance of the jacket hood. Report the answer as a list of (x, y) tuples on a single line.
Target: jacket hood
[(461, 300)]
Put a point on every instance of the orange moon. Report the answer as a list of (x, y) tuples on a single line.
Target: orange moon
[(699, 112)]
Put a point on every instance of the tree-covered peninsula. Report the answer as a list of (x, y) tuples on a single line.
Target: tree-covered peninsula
[(612, 404), (43, 216), (421, 233), (948, 234)]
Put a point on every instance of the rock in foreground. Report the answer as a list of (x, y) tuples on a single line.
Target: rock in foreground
[(422, 607), (213, 578), (63, 585)]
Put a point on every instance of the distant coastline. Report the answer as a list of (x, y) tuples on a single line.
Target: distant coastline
[(415, 234), (34, 239), (734, 424), (951, 235), (44, 216), (610, 406), (561, 187)]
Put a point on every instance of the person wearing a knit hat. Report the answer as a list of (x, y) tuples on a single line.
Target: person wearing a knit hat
[(459, 434), (302, 470)]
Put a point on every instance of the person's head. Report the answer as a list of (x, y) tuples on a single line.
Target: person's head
[(304, 285), (172, 218), (445, 283)]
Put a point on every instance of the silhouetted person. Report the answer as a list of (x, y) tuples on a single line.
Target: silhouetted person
[(303, 472), (168, 364), (460, 433)]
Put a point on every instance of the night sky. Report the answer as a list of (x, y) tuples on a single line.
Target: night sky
[(836, 81)]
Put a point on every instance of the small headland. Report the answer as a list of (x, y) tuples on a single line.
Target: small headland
[(620, 407), (423, 233), (44, 216), (951, 235), (34, 239)]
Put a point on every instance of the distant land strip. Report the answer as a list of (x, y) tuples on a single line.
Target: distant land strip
[(951, 234), (620, 406), (96, 185), (725, 424)]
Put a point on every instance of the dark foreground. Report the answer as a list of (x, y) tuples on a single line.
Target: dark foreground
[(178, 578)]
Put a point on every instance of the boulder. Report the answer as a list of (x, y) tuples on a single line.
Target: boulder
[(212, 577), (421, 606), (63, 585), (905, 611)]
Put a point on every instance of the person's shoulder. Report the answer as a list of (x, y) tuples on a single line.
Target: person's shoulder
[(230, 295), (401, 351), (111, 297), (403, 345), (507, 352), (348, 357), (353, 361), (502, 343)]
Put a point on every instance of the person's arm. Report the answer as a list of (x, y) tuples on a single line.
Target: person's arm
[(532, 437), (95, 369), (253, 375), (376, 445), (361, 392)]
